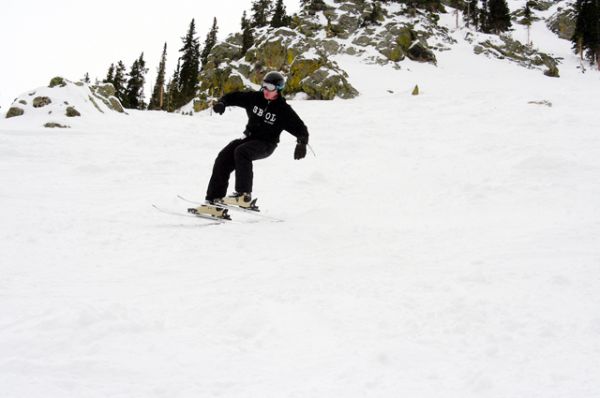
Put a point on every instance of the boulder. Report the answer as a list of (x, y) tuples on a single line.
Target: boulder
[(299, 70), (72, 112), (552, 71), (39, 102), (345, 26), (364, 40), (224, 51), (540, 5), (14, 111), (104, 89), (394, 53), (326, 85), (55, 125), (216, 81), (105, 92), (421, 53), (563, 23), (507, 48), (57, 81)]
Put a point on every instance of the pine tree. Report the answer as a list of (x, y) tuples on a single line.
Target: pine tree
[(527, 20), (247, 36), (157, 101), (472, 13), (483, 16), (260, 13), (209, 43), (280, 18), (587, 30), (110, 76), (498, 16), (119, 81), (134, 93), (190, 66), (86, 78), (174, 89)]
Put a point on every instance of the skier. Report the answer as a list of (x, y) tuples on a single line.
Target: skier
[(268, 115)]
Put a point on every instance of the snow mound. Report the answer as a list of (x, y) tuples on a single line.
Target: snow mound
[(63, 104)]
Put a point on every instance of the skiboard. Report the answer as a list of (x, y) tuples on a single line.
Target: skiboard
[(234, 208)]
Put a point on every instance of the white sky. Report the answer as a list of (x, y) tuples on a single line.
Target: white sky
[(41, 39)]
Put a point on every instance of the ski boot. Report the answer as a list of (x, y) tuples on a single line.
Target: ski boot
[(243, 200), (212, 209)]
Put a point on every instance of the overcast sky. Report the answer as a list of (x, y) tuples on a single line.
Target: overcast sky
[(41, 39)]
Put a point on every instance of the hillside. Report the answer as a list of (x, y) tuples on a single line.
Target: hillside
[(444, 244)]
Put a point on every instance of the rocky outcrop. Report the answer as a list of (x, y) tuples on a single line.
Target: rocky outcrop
[(64, 100), (563, 23), (326, 84), (106, 93), (283, 49), (504, 47), (303, 52)]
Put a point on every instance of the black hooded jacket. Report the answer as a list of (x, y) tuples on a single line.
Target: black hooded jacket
[(267, 119)]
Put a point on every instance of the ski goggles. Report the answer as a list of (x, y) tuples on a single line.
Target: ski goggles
[(271, 87)]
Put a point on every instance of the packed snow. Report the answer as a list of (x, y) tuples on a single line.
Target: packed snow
[(439, 245)]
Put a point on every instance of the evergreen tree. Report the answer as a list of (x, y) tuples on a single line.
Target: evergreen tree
[(157, 101), (260, 13), (247, 36), (498, 17), (134, 93), (483, 16), (209, 43), (174, 89), (110, 76), (527, 20), (472, 13), (587, 30), (119, 81), (86, 78), (190, 66), (280, 18)]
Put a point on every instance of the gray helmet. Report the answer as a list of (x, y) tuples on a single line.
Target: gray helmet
[(275, 79)]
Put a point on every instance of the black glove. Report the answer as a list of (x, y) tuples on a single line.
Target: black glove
[(300, 151), (219, 108)]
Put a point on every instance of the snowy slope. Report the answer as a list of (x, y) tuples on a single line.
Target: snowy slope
[(443, 245)]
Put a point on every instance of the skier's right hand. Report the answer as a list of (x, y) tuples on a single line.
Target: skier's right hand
[(219, 108), (300, 151)]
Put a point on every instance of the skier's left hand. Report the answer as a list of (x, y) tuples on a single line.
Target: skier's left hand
[(219, 108), (300, 151)]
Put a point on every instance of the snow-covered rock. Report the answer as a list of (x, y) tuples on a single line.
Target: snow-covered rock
[(62, 101)]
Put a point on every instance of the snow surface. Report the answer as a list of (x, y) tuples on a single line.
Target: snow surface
[(440, 245)]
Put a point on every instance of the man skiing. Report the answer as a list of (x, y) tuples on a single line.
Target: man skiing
[(268, 115)]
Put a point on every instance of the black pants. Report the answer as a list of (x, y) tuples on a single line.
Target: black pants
[(237, 155)]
